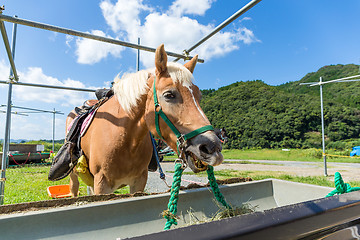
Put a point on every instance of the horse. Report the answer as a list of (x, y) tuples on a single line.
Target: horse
[(117, 145)]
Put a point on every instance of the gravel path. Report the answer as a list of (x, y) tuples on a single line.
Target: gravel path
[(155, 184), (349, 171)]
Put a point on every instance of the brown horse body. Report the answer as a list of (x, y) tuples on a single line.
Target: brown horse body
[(117, 144)]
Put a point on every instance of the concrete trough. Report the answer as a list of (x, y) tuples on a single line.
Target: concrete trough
[(141, 215)]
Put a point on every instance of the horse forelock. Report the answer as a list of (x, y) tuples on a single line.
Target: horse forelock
[(179, 73), (131, 86)]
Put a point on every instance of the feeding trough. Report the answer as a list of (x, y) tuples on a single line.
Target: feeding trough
[(139, 216)]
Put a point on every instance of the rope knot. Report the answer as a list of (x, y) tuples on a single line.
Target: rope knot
[(341, 187), (170, 216)]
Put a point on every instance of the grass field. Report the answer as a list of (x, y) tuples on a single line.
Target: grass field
[(27, 184)]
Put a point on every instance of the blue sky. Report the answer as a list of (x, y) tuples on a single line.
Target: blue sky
[(276, 41)]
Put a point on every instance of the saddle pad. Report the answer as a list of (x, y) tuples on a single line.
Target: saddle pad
[(85, 125)]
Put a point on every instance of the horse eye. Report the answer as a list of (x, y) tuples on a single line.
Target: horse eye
[(169, 95)]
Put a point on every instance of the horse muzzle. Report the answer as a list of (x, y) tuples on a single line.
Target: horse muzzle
[(203, 150)]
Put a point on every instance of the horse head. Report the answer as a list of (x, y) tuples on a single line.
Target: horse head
[(173, 113)]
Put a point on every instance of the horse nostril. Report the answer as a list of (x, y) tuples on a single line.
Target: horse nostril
[(205, 148)]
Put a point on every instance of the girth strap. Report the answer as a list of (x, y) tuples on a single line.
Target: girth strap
[(181, 138)]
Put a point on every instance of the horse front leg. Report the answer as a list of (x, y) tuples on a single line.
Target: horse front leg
[(101, 184), (139, 183), (74, 183)]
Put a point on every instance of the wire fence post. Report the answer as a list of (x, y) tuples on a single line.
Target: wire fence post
[(4, 160), (138, 57), (53, 133), (322, 127)]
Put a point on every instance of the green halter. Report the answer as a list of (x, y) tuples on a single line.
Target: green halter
[(181, 138)]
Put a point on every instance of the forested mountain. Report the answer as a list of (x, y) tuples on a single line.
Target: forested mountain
[(345, 93), (259, 115)]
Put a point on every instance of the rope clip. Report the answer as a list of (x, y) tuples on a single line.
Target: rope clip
[(182, 162), (186, 54), (166, 182)]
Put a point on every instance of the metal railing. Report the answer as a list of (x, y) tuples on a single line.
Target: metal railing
[(86, 35), (222, 25)]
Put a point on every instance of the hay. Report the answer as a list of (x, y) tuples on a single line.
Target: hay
[(222, 213)]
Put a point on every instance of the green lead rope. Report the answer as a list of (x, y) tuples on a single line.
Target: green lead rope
[(341, 187), (215, 187), (170, 213)]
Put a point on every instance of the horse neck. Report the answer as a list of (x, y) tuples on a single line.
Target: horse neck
[(135, 122)]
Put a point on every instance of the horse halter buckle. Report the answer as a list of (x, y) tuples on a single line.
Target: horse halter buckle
[(181, 141)]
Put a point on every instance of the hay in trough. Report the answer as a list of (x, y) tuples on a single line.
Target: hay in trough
[(222, 213)]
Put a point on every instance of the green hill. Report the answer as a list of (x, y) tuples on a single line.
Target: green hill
[(345, 93), (259, 115)]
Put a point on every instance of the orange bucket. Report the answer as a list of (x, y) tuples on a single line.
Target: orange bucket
[(59, 191)]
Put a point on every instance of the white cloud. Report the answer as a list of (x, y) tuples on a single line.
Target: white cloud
[(46, 95), (90, 51), (69, 39), (170, 27), (245, 19), (53, 36), (123, 16), (246, 36), (4, 71), (32, 127), (63, 98), (167, 29), (182, 7)]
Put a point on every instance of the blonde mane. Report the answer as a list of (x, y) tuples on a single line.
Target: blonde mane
[(131, 86)]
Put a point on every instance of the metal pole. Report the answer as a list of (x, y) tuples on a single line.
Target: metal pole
[(312, 84), (222, 25), (322, 127), (22, 114), (138, 57), (53, 135), (8, 49), (37, 110), (4, 160), (85, 35), (336, 80), (50, 86)]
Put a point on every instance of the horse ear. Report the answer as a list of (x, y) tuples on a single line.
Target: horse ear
[(191, 64), (160, 59)]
